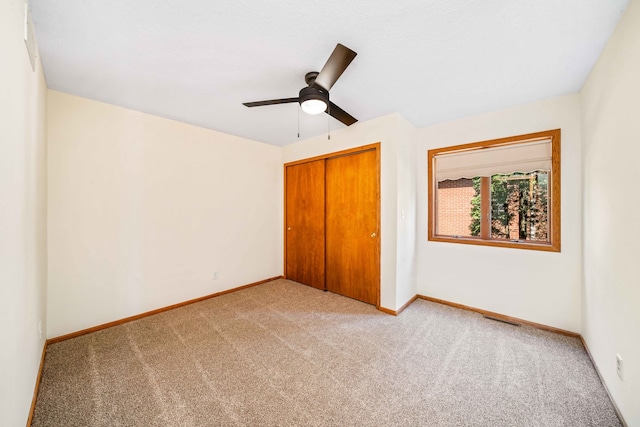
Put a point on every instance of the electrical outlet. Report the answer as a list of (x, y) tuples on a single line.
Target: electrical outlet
[(619, 366), (215, 275)]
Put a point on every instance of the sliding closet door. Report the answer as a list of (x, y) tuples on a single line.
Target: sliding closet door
[(305, 225), (352, 212)]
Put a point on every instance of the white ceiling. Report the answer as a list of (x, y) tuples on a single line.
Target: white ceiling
[(196, 61)]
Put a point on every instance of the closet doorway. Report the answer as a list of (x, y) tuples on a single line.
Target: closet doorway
[(332, 222)]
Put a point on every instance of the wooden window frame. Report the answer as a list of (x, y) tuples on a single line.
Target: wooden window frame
[(485, 239)]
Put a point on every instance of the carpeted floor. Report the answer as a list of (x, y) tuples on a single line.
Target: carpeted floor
[(286, 354)]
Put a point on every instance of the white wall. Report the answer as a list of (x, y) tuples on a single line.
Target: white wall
[(23, 192), (143, 210), (611, 134), (406, 213), (542, 287), (393, 132)]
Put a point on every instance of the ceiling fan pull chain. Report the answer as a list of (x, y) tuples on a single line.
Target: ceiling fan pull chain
[(298, 121), (329, 122)]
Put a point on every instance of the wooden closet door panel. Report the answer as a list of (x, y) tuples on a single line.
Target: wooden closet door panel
[(305, 231), (352, 215)]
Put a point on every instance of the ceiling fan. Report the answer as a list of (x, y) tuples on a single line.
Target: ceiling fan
[(314, 99)]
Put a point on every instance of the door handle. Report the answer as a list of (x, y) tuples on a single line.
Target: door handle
[(373, 234), (288, 228)]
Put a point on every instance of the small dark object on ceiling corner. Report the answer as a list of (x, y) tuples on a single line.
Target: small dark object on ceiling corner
[(500, 320)]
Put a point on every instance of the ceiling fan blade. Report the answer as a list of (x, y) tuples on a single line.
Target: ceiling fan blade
[(341, 115), (270, 102), (335, 66)]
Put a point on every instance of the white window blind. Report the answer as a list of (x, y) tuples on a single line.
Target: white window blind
[(502, 160)]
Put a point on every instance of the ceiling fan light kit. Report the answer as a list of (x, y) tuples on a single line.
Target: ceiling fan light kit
[(314, 99)]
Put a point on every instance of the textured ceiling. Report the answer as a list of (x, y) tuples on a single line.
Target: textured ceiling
[(196, 61)]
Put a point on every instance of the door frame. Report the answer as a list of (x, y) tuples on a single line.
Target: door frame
[(369, 147)]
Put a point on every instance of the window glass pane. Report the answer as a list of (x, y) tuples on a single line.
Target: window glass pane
[(519, 206), (455, 207)]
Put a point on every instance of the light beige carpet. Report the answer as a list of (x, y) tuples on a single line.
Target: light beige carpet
[(286, 354)]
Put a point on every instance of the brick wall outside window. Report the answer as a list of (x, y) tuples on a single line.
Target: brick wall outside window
[(454, 207)]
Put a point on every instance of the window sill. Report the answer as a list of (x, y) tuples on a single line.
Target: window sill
[(546, 247)]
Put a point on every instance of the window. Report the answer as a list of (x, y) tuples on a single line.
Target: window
[(504, 192)]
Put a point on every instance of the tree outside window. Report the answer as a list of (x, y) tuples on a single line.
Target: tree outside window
[(519, 206)]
